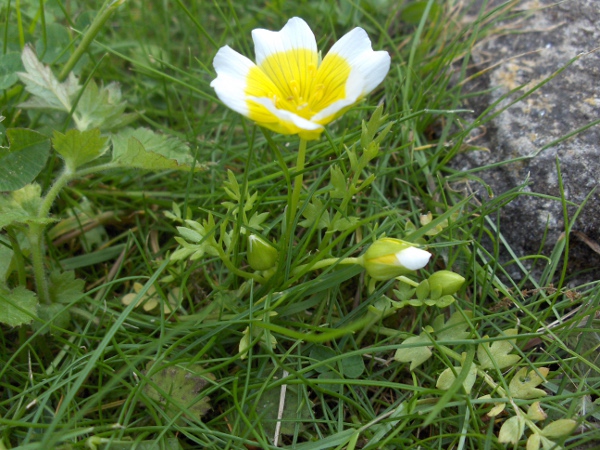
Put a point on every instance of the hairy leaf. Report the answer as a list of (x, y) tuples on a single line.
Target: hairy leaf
[(10, 64), (558, 428), (47, 91), (24, 159), (79, 147), (144, 149), (21, 206), (17, 307)]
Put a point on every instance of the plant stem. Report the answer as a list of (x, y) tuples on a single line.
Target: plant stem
[(95, 27), (36, 241), (293, 205), (325, 263)]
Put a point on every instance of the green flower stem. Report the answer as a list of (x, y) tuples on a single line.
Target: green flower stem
[(106, 11), (295, 199), (325, 263)]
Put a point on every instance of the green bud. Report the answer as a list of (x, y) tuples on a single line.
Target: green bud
[(261, 254), (389, 258), (449, 282)]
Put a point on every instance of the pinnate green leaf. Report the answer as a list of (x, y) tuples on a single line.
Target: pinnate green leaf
[(17, 307), (497, 354), (144, 149), (512, 430), (79, 147), (24, 159), (523, 385)]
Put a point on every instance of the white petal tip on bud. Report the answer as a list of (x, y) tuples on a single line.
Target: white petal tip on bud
[(413, 258)]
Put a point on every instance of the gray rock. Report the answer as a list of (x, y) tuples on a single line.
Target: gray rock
[(535, 47)]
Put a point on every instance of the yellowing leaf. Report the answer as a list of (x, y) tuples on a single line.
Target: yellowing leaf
[(447, 377), (416, 355), (533, 443), (512, 430), (535, 412), (497, 409), (523, 385), (496, 354), (558, 428)]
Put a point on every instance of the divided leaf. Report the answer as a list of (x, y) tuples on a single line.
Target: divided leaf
[(101, 107), (497, 354), (523, 385), (79, 147), (416, 355), (454, 329), (47, 91), (24, 159)]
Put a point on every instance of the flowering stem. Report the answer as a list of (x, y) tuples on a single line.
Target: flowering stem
[(326, 263), (293, 205)]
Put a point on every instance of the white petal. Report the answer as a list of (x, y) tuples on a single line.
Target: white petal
[(413, 258), (287, 116), (296, 34), (371, 67), (232, 72)]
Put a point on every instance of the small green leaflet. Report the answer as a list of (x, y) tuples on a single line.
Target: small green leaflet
[(24, 159), (17, 307), (79, 147), (455, 329), (418, 354), (497, 354), (64, 287), (142, 148)]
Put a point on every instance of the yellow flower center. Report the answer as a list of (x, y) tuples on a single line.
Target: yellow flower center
[(294, 83)]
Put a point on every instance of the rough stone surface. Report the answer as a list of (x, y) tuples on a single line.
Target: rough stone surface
[(535, 46)]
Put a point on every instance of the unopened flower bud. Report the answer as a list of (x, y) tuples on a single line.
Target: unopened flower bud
[(261, 254), (389, 258), (448, 281)]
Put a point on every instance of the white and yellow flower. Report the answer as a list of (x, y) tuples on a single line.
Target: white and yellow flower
[(289, 90)]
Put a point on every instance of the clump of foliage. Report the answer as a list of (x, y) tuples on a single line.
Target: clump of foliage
[(170, 279)]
